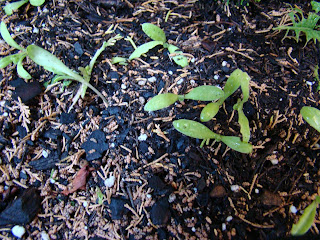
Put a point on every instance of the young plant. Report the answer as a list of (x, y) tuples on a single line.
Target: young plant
[(301, 24), (53, 64), (9, 8), (16, 58), (159, 38), (211, 93)]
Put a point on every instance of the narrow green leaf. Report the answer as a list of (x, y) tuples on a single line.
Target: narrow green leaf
[(99, 195), (235, 143), (50, 62), (233, 83), (205, 93), (161, 101), (36, 3), (5, 61), (120, 60), (312, 116), (21, 71), (9, 8), (209, 111), (305, 221), (7, 37), (194, 129), (154, 32), (244, 125), (144, 48), (315, 6)]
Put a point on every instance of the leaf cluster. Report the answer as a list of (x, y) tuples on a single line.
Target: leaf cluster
[(211, 93), (299, 24), (10, 7)]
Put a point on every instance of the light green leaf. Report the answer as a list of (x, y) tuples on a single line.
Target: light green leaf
[(305, 221), (315, 6), (233, 83), (120, 60), (144, 48), (5, 61), (99, 195), (171, 48), (209, 111), (312, 116), (21, 71), (194, 129), (7, 37), (180, 59), (50, 62), (205, 93), (58, 78), (9, 8), (36, 3), (161, 101), (244, 125), (154, 32), (235, 143)]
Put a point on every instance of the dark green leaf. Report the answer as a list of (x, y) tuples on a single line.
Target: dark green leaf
[(315, 6)]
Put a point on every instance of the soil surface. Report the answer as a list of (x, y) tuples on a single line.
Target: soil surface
[(123, 173)]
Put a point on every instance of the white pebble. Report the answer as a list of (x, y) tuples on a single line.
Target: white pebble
[(229, 218), (45, 154), (85, 204), (257, 190), (142, 82), (293, 209), (52, 180), (180, 81), (112, 145), (152, 79), (44, 236), (223, 227), (45, 10), (142, 100), (143, 137), (192, 60), (216, 77), (309, 83), (123, 86), (2, 103), (170, 72), (35, 30), (235, 188), (172, 198), (18, 231), (109, 182), (192, 82), (274, 161), (148, 195), (5, 114), (224, 63), (193, 229)]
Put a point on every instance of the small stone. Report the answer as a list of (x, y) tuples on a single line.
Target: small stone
[(271, 199), (45, 154), (235, 188), (142, 100), (44, 236), (35, 30), (257, 190), (85, 204), (172, 198), (229, 218), (170, 72), (18, 231), (193, 229), (78, 48), (123, 86), (274, 161), (142, 82), (109, 182), (192, 82), (216, 77), (293, 209), (117, 208), (309, 83), (218, 192), (152, 79), (143, 137), (224, 63), (160, 212), (180, 81), (223, 227)]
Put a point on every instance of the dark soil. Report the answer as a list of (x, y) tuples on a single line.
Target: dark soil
[(166, 186)]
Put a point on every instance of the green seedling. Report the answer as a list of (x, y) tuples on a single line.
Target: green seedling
[(159, 38), (200, 131), (99, 195), (9, 8), (299, 24), (53, 64), (13, 58), (312, 116), (202, 93), (307, 218)]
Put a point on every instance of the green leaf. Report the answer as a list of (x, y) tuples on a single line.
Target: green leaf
[(50, 62), (21, 71), (154, 32), (161, 101), (120, 60), (7, 37), (209, 111), (5, 61), (244, 124), (36, 3), (233, 83), (180, 59), (205, 93), (144, 48), (194, 129), (99, 195), (312, 116), (305, 221), (9, 8), (235, 143), (315, 6)]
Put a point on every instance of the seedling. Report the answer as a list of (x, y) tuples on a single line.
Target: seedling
[(312, 116), (159, 38), (301, 24), (14, 58), (9, 8), (211, 93)]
